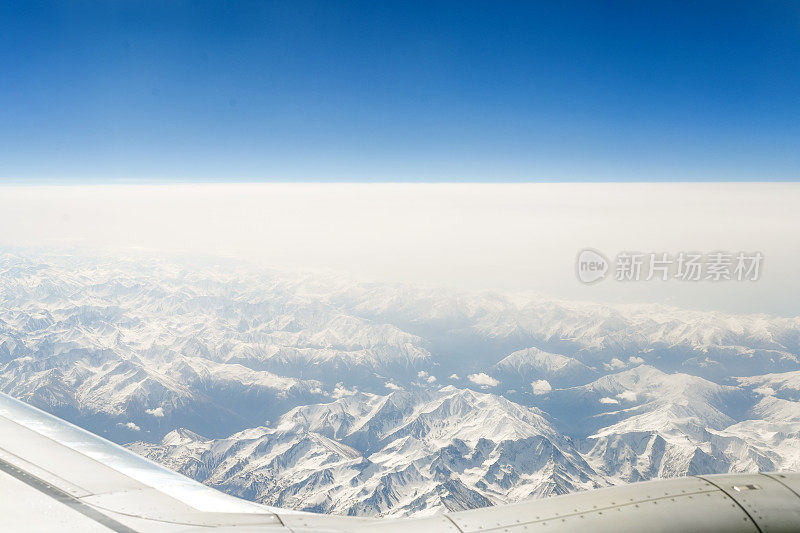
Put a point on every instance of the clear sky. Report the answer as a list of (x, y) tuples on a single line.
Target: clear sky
[(399, 91)]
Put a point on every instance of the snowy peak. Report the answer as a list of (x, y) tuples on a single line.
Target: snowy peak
[(398, 454), (531, 364)]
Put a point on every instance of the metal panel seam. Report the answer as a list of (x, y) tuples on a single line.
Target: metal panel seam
[(14, 460), (729, 495), (454, 523), (64, 498), (609, 507), (775, 478)]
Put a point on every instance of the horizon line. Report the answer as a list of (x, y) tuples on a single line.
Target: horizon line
[(234, 181)]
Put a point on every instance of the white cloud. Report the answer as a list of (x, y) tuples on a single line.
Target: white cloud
[(614, 364), (195, 218), (608, 400), (628, 396), (454, 376), (765, 391), (541, 386), (482, 379), (340, 391), (424, 376), (130, 425), (158, 412), (392, 386), (636, 360)]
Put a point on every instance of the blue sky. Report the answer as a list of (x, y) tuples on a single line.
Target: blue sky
[(399, 91)]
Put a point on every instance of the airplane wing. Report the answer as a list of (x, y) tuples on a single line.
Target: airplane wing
[(56, 477)]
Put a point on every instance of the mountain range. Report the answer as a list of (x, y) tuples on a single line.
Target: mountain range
[(313, 391)]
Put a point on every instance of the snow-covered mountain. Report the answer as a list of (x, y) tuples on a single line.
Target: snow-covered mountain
[(318, 392), (403, 453), (523, 367)]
